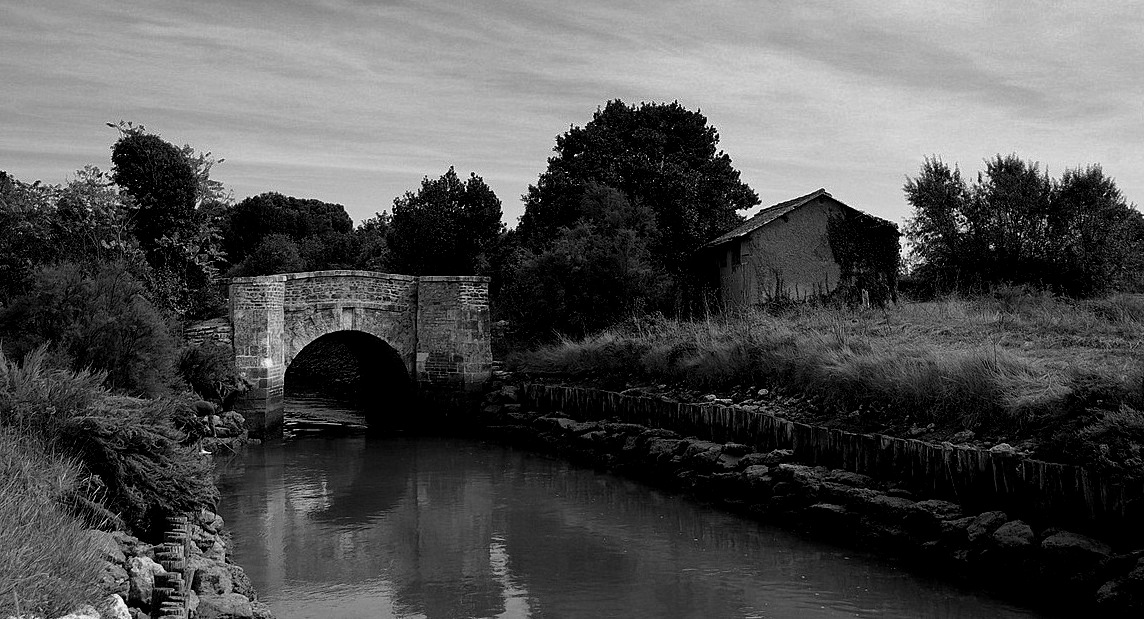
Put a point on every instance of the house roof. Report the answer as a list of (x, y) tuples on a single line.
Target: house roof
[(768, 215)]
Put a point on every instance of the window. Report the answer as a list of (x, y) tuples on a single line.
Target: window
[(737, 252)]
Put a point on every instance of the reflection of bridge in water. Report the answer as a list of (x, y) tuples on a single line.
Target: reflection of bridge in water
[(428, 333)]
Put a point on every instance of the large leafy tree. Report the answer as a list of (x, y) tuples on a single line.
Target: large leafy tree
[(598, 271), (372, 242), (1099, 237), (661, 155), (321, 235), (177, 208), (448, 227), (161, 179), (1016, 225)]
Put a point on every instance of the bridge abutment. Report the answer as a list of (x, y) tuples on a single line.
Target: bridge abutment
[(439, 325), (453, 345), (256, 315)]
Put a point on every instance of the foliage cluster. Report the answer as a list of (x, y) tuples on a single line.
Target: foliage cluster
[(209, 371), (94, 316), (868, 255), (272, 233), (448, 227), (131, 451), (596, 272), (672, 191), (1014, 225)]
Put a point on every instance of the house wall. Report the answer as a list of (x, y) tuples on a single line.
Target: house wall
[(790, 256)]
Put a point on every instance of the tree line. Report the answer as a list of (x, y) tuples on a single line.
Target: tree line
[(610, 231), (1076, 235)]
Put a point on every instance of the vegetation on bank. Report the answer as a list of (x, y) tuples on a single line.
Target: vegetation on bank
[(74, 456), (1017, 366), (48, 564), (99, 275)]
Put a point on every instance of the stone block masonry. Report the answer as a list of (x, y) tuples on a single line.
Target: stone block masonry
[(453, 343), (439, 326)]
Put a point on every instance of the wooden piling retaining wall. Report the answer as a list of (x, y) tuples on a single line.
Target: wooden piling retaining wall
[(977, 479)]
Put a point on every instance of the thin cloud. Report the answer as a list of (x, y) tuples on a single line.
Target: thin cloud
[(354, 102)]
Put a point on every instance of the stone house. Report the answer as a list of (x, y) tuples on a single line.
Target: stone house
[(809, 247)]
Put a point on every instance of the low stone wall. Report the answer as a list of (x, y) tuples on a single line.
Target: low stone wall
[(979, 479), (214, 330), (1029, 558)]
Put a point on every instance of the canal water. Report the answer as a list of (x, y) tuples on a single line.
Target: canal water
[(352, 526)]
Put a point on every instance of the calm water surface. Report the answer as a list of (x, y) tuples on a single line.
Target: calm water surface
[(364, 527)]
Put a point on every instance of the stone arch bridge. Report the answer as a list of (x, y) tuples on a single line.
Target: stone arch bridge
[(437, 325)]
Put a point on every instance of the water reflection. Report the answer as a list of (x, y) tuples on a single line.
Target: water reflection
[(366, 527)]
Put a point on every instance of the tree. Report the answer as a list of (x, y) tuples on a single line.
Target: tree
[(25, 232), (656, 154), (87, 221), (1015, 225), (161, 179), (372, 243), (320, 231), (446, 228), (176, 221), (597, 272), (276, 253), (938, 196), (95, 316), (1099, 236)]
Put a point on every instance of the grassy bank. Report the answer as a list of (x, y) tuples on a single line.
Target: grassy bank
[(1059, 376), (74, 457), (48, 564)]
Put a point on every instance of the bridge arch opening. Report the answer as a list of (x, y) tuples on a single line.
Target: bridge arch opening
[(355, 367)]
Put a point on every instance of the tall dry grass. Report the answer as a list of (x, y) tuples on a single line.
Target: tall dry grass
[(48, 565), (1003, 363)]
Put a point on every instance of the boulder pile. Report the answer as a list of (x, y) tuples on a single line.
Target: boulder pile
[(199, 580)]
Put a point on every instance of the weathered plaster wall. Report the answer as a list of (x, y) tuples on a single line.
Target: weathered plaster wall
[(790, 256), (453, 340)]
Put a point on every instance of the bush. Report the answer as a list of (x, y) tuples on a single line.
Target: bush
[(133, 448), (48, 564), (95, 318), (209, 370)]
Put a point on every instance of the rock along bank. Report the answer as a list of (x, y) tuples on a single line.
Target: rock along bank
[(1024, 554)]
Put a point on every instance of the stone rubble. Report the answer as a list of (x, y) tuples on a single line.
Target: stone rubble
[(219, 589)]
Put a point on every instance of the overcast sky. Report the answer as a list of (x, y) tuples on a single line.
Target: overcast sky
[(355, 101)]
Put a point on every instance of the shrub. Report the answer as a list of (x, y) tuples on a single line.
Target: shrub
[(133, 448), (38, 398), (96, 318), (209, 370)]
